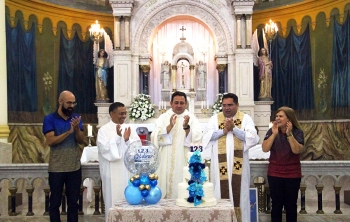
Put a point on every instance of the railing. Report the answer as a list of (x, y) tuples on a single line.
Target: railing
[(319, 170)]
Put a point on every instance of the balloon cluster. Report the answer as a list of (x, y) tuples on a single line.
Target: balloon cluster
[(143, 186)]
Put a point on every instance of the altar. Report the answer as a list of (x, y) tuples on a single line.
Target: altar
[(167, 210)]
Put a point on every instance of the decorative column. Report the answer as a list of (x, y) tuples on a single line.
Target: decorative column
[(97, 199), (4, 128), (144, 79), (173, 76), (248, 30), (319, 188), (127, 32), (47, 200), (192, 78), (238, 31), (13, 191), (30, 191), (117, 32), (337, 189), (261, 197), (80, 202), (302, 198), (222, 77)]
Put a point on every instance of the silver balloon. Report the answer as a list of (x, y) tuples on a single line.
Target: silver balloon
[(142, 157)]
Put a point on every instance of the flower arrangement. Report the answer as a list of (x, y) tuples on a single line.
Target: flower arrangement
[(217, 107), (141, 108), (198, 177)]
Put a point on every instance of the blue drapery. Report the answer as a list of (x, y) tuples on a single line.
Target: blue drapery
[(76, 72), (292, 72), (341, 65), (21, 69)]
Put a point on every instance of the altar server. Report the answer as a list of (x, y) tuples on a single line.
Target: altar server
[(175, 131), (112, 141), (228, 137)]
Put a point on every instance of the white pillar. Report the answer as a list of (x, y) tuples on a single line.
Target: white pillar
[(192, 78), (117, 32), (4, 128), (248, 31), (127, 32), (238, 31)]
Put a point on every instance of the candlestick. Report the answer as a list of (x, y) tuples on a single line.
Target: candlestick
[(89, 130), (90, 139), (204, 111), (207, 104)]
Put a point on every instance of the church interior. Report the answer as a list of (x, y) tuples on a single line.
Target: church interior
[(155, 47)]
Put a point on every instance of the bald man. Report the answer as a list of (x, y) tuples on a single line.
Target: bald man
[(63, 131)]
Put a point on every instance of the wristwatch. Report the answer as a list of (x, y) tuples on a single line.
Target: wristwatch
[(187, 127)]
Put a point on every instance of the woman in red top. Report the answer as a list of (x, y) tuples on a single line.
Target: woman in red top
[(285, 141)]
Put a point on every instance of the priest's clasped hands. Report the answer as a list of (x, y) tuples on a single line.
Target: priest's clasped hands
[(126, 133), (228, 125)]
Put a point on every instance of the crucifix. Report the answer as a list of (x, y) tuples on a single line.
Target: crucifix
[(183, 36)]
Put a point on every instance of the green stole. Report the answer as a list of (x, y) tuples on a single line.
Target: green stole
[(237, 163)]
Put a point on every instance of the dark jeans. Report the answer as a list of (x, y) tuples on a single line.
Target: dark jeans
[(284, 192), (72, 181)]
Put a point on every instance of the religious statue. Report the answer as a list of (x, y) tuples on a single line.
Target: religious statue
[(165, 74), (202, 75), (265, 75), (101, 74)]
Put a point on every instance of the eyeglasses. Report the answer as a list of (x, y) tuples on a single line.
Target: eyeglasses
[(70, 103)]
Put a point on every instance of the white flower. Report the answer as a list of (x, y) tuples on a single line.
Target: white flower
[(141, 108)]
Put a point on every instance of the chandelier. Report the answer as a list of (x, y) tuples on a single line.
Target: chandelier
[(270, 33), (96, 32)]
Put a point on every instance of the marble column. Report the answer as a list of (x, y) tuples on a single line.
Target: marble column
[(238, 31), (4, 128), (127, 32), (144, 87), (173, 76), (248, 31), (117, 32), (192, 78), (222, 82)]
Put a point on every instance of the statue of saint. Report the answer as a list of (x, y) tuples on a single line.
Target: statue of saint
[(101, 74), (202, 75), (165, 74), (265, 75)]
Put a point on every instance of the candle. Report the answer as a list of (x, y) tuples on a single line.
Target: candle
[(164, 106), (202, 105), (207, 104), (160, 104), (89, 130)]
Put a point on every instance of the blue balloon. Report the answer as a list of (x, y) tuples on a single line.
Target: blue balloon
[(144, 193), (136, 183), (144, 179), (153, 183), (133, 195), (154, 195)]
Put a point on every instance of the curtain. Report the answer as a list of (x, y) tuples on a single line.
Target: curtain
[(341, 64), (292, 83), (76, 72), (21, 69)]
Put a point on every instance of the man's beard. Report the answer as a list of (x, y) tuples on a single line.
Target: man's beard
[(68, 111)]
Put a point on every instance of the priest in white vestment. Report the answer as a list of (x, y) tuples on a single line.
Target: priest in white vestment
[(227, 139), (175, 131), (112, 141)]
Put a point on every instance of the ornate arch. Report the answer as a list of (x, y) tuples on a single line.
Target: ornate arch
[(147, 28)]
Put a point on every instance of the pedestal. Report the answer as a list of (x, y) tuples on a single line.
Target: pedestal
[(262, 116), (102, 113)]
